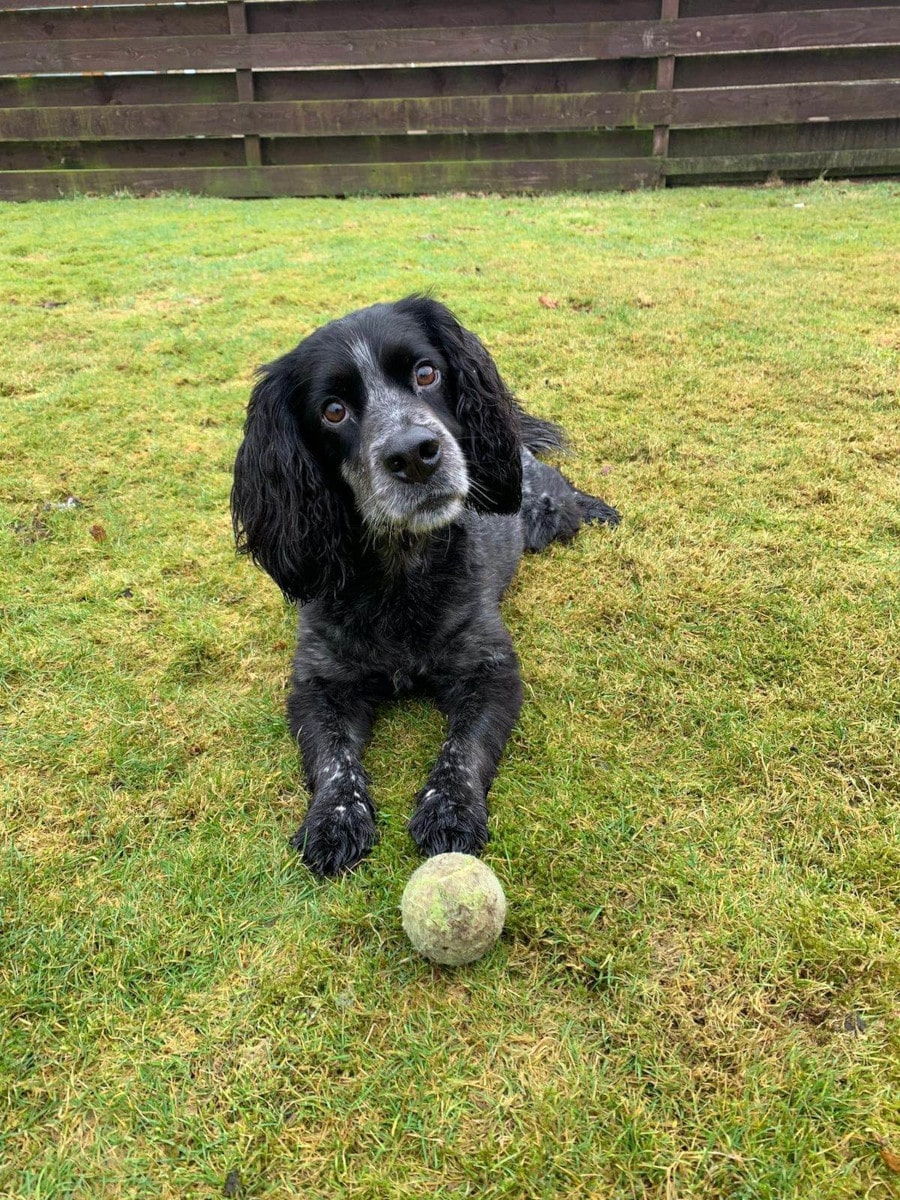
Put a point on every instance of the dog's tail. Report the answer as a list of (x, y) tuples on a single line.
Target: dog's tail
[(540, 436)]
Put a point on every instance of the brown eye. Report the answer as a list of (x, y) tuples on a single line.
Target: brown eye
[(426, 374), (334, 412)]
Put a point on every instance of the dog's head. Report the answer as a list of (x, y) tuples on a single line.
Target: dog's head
[(383, 424)]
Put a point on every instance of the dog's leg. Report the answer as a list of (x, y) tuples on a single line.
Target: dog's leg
[(553, 509), (482, 707), (332, 725)]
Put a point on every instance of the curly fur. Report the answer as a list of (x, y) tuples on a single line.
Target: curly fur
[(399, 569)]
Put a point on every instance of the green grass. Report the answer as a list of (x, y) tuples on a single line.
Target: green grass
[(696, 818)]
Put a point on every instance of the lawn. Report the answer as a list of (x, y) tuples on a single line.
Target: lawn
[(696, 819)]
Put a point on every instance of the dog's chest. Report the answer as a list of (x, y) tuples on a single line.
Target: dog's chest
[(402, 629)]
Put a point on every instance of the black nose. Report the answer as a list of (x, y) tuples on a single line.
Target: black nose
[(413, 455)]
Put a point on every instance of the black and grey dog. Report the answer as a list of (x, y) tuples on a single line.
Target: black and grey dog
[(387, 481)]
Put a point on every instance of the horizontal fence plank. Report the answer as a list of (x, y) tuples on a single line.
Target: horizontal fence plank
[(329, 180), (332, 50), (780, 104), (776, 104), (500, 79), (49, 5), (319, 118), (517, 43), (800, 66), (318, 50), (407, 179), (89, 91), (484, 79), (783, 139), (288, 16), (274, 15), (60, 24), (831, 162), (161, 20), (488, 147), (147, 153), (712, 8), (611, 9), (289, 151)]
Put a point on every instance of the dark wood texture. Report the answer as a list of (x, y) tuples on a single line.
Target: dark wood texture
[(318, 118), (303, 16), (743, 33), (800, 66), (665, 78), (790, 165), (341, 179), (237, 23), (289, 151), (712, 8), (501, 79), (786, 139), (329, 97), (767, 105), (291, 16)]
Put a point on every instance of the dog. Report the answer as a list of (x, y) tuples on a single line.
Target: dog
[(387, 482)]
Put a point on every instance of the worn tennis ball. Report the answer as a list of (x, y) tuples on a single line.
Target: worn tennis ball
[(453, 909)]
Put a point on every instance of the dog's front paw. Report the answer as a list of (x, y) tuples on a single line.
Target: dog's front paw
[(337, 833), (446, 821)]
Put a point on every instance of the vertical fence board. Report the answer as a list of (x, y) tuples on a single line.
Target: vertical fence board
[(237, 22), (665, 78)]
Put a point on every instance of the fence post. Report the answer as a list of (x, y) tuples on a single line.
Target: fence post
[(665, 78), (237, 24)]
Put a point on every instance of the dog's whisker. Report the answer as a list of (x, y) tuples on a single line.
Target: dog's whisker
[(478, 492)]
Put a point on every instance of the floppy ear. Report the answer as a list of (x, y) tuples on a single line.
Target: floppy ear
[(285, 516), (484, 407)]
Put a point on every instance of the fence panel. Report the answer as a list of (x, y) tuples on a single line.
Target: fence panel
[(330, 97)]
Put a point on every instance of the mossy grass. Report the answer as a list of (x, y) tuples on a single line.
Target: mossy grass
[(695, 822)]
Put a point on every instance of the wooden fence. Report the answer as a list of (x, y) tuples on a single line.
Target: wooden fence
[(328, 97)]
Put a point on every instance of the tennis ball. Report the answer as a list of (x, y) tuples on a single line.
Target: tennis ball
[(453, 909)]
